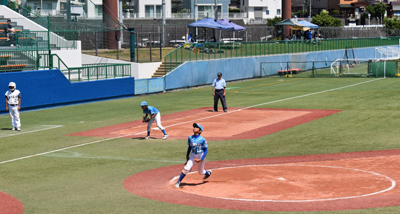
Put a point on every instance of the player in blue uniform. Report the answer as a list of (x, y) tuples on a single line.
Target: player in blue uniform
[(198, 147), (154, 115)]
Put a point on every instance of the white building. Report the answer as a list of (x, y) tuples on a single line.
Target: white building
[(151, 8), (258, 10)]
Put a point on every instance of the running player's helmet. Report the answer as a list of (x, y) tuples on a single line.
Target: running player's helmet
[(12, 86)]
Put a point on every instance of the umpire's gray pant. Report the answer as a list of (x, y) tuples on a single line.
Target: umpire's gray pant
[(219, 94)]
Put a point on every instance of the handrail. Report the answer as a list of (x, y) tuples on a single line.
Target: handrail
[(19, 45)]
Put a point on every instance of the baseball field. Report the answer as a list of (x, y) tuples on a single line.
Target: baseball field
[(320, 145)]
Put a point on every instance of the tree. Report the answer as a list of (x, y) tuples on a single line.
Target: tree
[(380, 9), (325, 20), (371, 10), (273, 22)]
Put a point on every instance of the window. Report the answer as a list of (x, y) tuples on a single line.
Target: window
[(149, 11), (267, 12), (159, 11), (278, 12)]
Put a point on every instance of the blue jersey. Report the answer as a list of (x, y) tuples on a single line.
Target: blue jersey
[(197, 143), (150, 110)]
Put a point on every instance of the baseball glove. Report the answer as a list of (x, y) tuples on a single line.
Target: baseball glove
[(146, 119)]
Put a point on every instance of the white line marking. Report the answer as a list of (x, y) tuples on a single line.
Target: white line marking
[(309, 200), (37, 130), (122, 136)]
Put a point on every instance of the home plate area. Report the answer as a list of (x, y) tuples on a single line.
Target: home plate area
[(237, 123)]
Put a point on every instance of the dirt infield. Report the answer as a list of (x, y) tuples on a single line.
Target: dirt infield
[(238, 123), (343, 181), (10, 205)]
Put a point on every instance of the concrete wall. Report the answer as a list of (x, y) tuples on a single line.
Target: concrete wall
[(71, 57), (138, 70), (50, 88)]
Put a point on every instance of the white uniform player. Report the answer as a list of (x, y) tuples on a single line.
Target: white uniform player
[(13, 105)]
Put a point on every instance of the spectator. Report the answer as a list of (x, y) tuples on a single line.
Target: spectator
[(9, 30)]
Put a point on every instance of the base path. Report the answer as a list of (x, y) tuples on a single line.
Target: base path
[(344, 181), (236, 124), (10, 205)]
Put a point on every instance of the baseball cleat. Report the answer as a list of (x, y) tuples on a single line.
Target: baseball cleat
[(165, 137), (207, 175), (214, 111), (226, 110), (177, 184), (147, 137), (13, 129), (18, 129)]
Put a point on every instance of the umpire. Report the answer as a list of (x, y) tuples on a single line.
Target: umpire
[(219, 90)]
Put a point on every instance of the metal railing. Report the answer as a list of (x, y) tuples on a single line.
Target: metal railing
[(17, 60), (90, 72), (212, 51)]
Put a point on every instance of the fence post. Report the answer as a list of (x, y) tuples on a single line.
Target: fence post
[(132, 40), (48, 32), (151, 40), (95, 42)]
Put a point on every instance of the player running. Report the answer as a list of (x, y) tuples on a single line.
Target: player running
[(154, 115), (198, 146)]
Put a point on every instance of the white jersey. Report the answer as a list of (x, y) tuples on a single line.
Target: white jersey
[(12, 96)]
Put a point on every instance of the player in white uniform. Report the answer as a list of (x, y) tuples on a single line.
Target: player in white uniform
[(198, 147), (13, 105)]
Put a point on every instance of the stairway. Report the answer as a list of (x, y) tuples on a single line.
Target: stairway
[(165, 67)]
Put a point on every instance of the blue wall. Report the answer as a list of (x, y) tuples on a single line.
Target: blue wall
[(204, 72), (50, 87)]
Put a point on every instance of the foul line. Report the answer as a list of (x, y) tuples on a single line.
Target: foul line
[(393, 183), (122, 136), (20, 132)]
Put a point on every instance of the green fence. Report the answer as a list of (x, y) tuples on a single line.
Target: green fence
[(339, 68), (16, 60), (209, 51), (90, 72)]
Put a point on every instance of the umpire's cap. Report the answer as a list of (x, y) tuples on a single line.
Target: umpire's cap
[(195, 125), (219, 74), (143, 103)]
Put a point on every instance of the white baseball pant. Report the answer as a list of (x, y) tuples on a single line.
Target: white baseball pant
[(14, 115), (200, 166), (157, 118)]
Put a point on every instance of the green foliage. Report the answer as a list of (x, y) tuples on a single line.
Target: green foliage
[(299, 13), (183, 11), (325, 20), (380, 9), (234, 10), (393, 25), (371, 10), (274, 21), (335, 12), (125, 6)]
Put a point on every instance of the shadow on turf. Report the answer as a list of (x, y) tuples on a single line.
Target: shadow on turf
[(6, 128), (142, 138)]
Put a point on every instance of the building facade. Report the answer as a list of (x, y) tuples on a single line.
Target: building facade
[(258, 10)]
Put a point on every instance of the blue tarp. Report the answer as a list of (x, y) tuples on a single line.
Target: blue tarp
[(227, 22), (210, 23), (307, 24)]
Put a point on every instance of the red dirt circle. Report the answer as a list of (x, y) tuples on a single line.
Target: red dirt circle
[(328, 182), (10, 205)]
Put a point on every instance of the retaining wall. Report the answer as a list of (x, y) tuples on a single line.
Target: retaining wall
[(50, 88)]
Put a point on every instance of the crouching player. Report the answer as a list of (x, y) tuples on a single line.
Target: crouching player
[(199, 148)]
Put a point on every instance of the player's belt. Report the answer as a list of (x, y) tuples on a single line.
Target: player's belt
[(13, 104), (219, 89)]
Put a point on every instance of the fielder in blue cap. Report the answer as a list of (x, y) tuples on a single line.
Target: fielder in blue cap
[(154, 115), (199, 148)]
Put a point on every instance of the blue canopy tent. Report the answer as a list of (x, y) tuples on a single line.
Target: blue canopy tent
[(308, 24), (210, 23), (227, 22)]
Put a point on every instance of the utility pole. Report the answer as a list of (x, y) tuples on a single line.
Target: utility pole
[(216, 18), (309, 12), (163, 22)]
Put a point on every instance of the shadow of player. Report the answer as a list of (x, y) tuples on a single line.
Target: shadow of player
[(193, 184), (6, 128)]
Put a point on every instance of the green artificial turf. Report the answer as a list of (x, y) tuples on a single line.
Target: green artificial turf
[(88, 179)]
